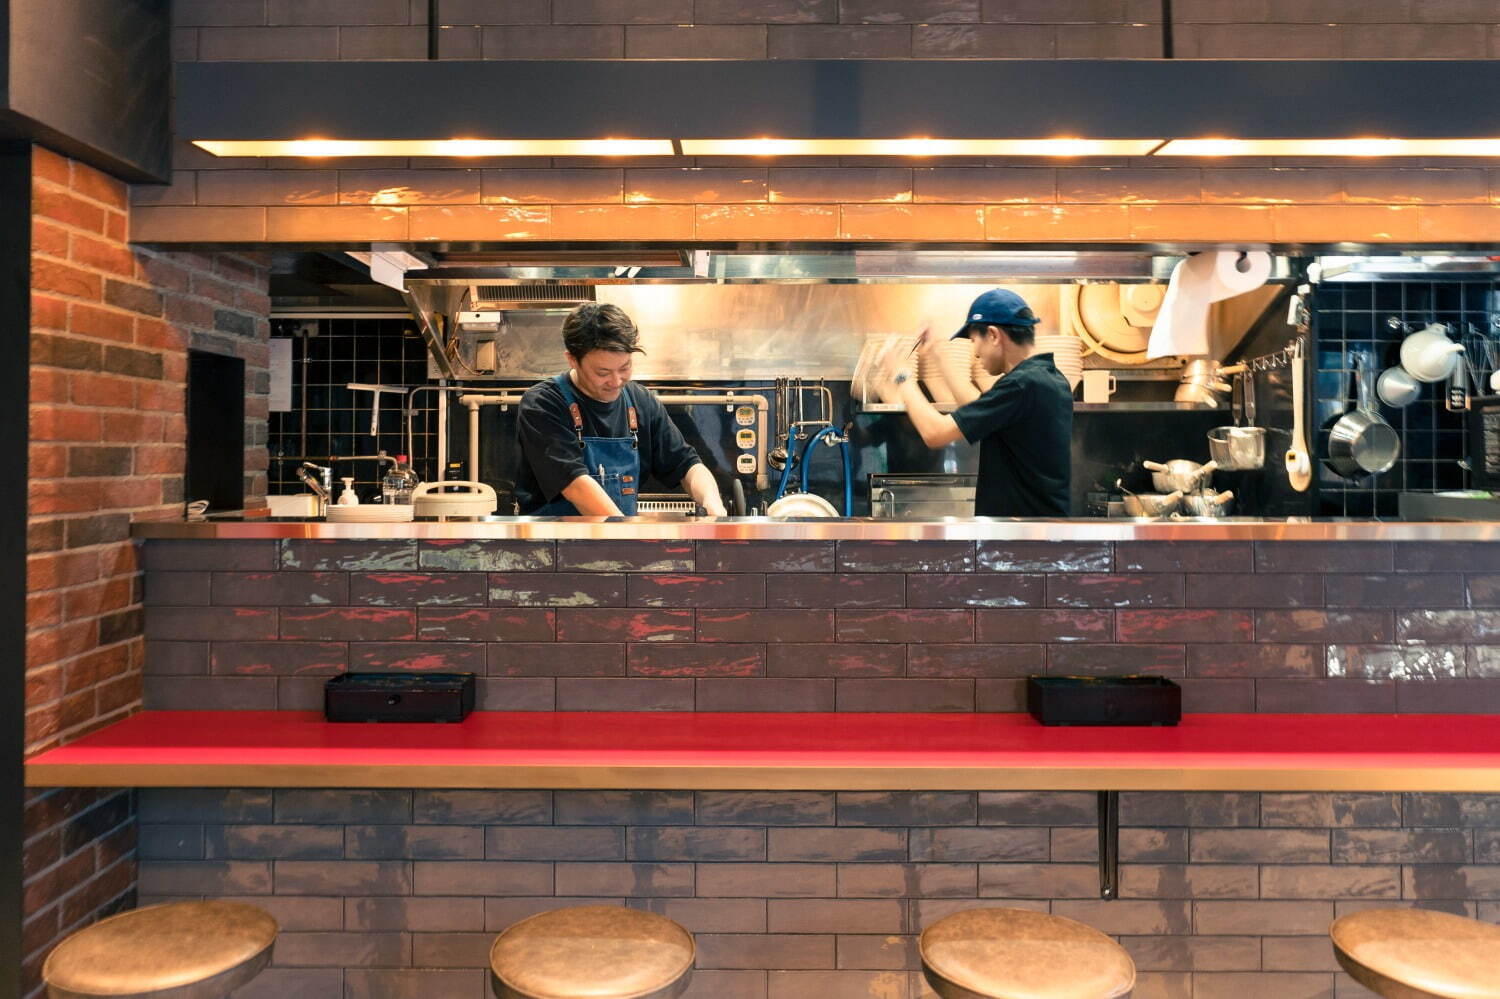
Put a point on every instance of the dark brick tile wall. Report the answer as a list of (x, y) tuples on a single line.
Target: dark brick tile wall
[(791, 894), (824, 626)]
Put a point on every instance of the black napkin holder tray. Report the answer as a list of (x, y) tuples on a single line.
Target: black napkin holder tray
[(398, 697), (1103, 700)]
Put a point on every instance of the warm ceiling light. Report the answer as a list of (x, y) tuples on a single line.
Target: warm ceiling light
[(918, 147), (1331, 147), (321, 148)]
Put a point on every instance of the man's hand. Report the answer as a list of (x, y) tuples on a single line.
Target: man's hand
[(699, 484), (896, 359), (928, 342)]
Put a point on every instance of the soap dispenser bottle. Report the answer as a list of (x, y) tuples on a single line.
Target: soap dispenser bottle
[(348, 496)]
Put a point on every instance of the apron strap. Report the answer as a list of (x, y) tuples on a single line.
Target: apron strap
[(564, 386), (572, 400), (635, 435)]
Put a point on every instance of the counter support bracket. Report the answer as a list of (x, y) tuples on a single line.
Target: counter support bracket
[(1109, 844)]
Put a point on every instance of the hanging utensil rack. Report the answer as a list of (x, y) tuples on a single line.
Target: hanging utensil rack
[(1277, 358)]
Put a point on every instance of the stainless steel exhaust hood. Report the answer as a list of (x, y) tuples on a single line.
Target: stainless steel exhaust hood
[(851, 266)]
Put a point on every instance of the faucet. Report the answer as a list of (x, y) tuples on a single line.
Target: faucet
[(321, 485), (378, 456)]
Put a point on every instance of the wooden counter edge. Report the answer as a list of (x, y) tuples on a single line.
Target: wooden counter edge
[(769, 778)]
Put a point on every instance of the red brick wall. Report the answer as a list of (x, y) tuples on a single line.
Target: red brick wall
[(111, 327)]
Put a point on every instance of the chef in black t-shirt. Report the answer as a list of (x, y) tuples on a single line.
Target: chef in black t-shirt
[(1023, 424), (588, 437)]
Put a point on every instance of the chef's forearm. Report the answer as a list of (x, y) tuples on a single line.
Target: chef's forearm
[(936, 429), (700, 484), (589, 497)]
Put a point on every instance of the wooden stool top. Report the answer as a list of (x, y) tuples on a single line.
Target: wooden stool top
[(1402, 951), (200, 949), (595, 951), (1019, 954)]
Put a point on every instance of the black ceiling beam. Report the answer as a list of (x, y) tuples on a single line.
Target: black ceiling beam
[(1090, 98), (91, 79)]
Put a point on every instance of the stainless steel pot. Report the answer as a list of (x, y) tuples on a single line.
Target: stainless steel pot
[(1151, 504), (1208, 503), (1180, 475), (1237, 449), (1361, 443)]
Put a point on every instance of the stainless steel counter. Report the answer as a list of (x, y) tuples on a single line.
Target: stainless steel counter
[(677, 527)]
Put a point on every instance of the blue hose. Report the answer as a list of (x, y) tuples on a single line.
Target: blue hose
[(786, 470), (806, 462)]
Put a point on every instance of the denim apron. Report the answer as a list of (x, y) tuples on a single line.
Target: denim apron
[(613, 462)]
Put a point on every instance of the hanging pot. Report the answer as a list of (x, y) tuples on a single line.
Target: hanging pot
[(1361, 443)]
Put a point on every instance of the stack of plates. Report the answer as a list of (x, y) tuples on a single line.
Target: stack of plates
[(867, 369), (929, 371), (370, 513), (1067, 354), (957, 360)]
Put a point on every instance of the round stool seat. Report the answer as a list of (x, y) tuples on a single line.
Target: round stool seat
[(1411, 953), (182, 950), (592, 952), (1019, 954)]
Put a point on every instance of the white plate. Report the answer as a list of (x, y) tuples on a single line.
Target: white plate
[(370, 513)]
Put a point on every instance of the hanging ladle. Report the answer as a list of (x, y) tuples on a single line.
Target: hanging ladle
[(1298, 464)]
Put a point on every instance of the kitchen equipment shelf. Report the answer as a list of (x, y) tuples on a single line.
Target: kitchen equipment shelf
[(900, 407), (1078, 407)]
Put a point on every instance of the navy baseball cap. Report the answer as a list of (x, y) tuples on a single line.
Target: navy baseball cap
[(997, 307)]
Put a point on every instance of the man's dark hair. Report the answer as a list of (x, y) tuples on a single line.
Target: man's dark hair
[(595, 326)]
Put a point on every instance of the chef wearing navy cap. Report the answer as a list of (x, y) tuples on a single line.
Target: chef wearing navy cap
[(1023, 424)]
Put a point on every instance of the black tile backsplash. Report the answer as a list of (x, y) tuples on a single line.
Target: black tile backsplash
[(1355, 317), (366, 351)]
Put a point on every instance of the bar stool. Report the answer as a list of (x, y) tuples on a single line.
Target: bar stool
[(181, 950), (1416, 954), (1020, 954), (594, 951)]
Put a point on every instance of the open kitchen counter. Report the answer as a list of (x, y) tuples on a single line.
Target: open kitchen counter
[(674, 527), (804, 751)]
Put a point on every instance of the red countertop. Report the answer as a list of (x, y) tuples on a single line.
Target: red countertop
[(1224, 752)]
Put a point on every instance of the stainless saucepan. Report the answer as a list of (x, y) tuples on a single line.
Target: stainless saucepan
[(1180, 475), (1361, 443), (1237, 449), (1149, 504), (1209, 503)]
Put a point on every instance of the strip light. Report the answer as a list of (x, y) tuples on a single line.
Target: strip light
[(919, 147), (911, 148), (1331, 147), (327, 148)]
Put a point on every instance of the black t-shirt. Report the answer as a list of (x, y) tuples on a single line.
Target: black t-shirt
[(551, 458), (1024, 428)]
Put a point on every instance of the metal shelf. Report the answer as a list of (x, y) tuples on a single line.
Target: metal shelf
[(898, 407), (1146, 407), (1083, 407)]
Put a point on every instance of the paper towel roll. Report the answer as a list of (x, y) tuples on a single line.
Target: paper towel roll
[(1197, 282)]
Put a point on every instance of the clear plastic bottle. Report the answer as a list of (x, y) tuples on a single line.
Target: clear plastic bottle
[(399, 483)]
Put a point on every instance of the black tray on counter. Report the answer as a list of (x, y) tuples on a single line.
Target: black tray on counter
[(1103, 700), (398, 697)]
